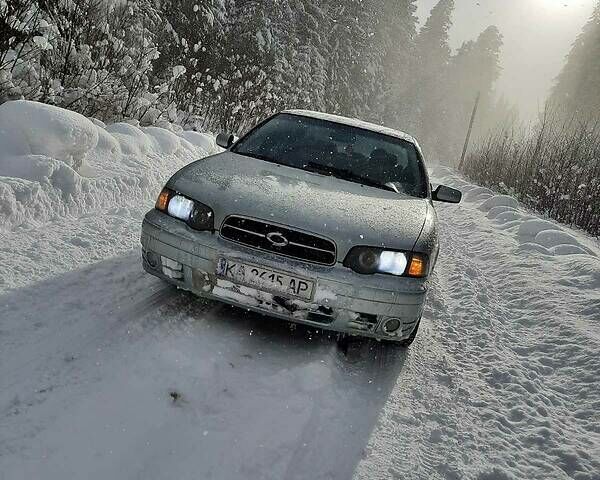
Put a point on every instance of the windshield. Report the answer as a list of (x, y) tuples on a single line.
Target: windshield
[(331, 148)]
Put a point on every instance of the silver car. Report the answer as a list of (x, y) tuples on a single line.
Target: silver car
[(310, 217)]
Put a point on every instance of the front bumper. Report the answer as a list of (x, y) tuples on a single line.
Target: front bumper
[(343, 301)]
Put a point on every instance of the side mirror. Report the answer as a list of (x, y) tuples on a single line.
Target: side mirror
[(225, 140), (446, 194)]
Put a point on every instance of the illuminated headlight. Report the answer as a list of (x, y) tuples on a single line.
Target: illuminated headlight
[(195, 214), (392, 262), (180, 207), (368, 261)]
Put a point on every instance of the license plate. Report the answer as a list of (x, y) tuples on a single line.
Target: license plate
[(265, 278)]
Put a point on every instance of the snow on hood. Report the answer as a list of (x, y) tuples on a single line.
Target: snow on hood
[(348, 213)]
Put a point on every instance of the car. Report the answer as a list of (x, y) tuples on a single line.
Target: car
[(310, 217)]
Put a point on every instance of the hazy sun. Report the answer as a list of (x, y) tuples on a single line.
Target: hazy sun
[(565, 5)]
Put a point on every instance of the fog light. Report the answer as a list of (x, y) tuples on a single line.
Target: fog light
[(391, 325), (152, 259)]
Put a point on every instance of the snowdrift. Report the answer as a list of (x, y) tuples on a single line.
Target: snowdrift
[(57, 162), (531, 232)]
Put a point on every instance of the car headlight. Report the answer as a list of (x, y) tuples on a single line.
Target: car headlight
[(368, 261), (195, 214), (180, 207)]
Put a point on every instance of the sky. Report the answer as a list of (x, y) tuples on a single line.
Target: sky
[(538, 35)]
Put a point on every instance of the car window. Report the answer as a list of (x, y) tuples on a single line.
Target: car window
[(298, 141)]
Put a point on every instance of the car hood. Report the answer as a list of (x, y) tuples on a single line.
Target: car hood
[(348, 213)]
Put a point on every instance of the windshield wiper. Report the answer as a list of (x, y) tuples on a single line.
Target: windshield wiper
[(345, 174)]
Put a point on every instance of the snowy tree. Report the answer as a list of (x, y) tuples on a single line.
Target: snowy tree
[(24, 36), (225, 64), (242, 77), (192, 45), (85, 55), (347, 49), (395, 34), (432, 57), (577, 89)]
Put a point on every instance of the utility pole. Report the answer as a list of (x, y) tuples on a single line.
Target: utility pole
[(464, 152)]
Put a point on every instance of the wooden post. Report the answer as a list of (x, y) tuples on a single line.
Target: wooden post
[(464, 152)]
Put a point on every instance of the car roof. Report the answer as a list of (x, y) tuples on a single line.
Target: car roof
[(355, 122)]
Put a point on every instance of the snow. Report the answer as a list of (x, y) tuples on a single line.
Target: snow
[(530, 228), (106, 372), (552, 238), (67, 182), (57, 162), (502, 381), (34, 129), (477, 193), (499, 201)]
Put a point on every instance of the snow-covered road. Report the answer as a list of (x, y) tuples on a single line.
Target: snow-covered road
[(107, 373)]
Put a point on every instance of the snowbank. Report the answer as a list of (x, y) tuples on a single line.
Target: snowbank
[(57, 162), (43, 131), (531, 232)]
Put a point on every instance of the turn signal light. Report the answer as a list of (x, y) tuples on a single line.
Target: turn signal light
[(162, 202), (417, 267)]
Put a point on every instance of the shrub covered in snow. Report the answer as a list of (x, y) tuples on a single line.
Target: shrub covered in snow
[(31, 129), (91, 56), (554, 168)]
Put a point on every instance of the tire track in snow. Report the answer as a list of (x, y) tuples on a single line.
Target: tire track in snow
[(83, 335), (61, 353), (425, 403)]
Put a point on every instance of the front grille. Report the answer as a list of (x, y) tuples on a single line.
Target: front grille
[(290, 243)]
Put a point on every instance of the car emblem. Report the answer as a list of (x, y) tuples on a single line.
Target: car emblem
[(277, 239)]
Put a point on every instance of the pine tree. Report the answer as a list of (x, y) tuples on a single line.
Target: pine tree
[(395, 43), (349, 81), (432, 42), (191, 52), (432, 57), (476, 65), (302, 28), (577, 89), (242, 81)]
